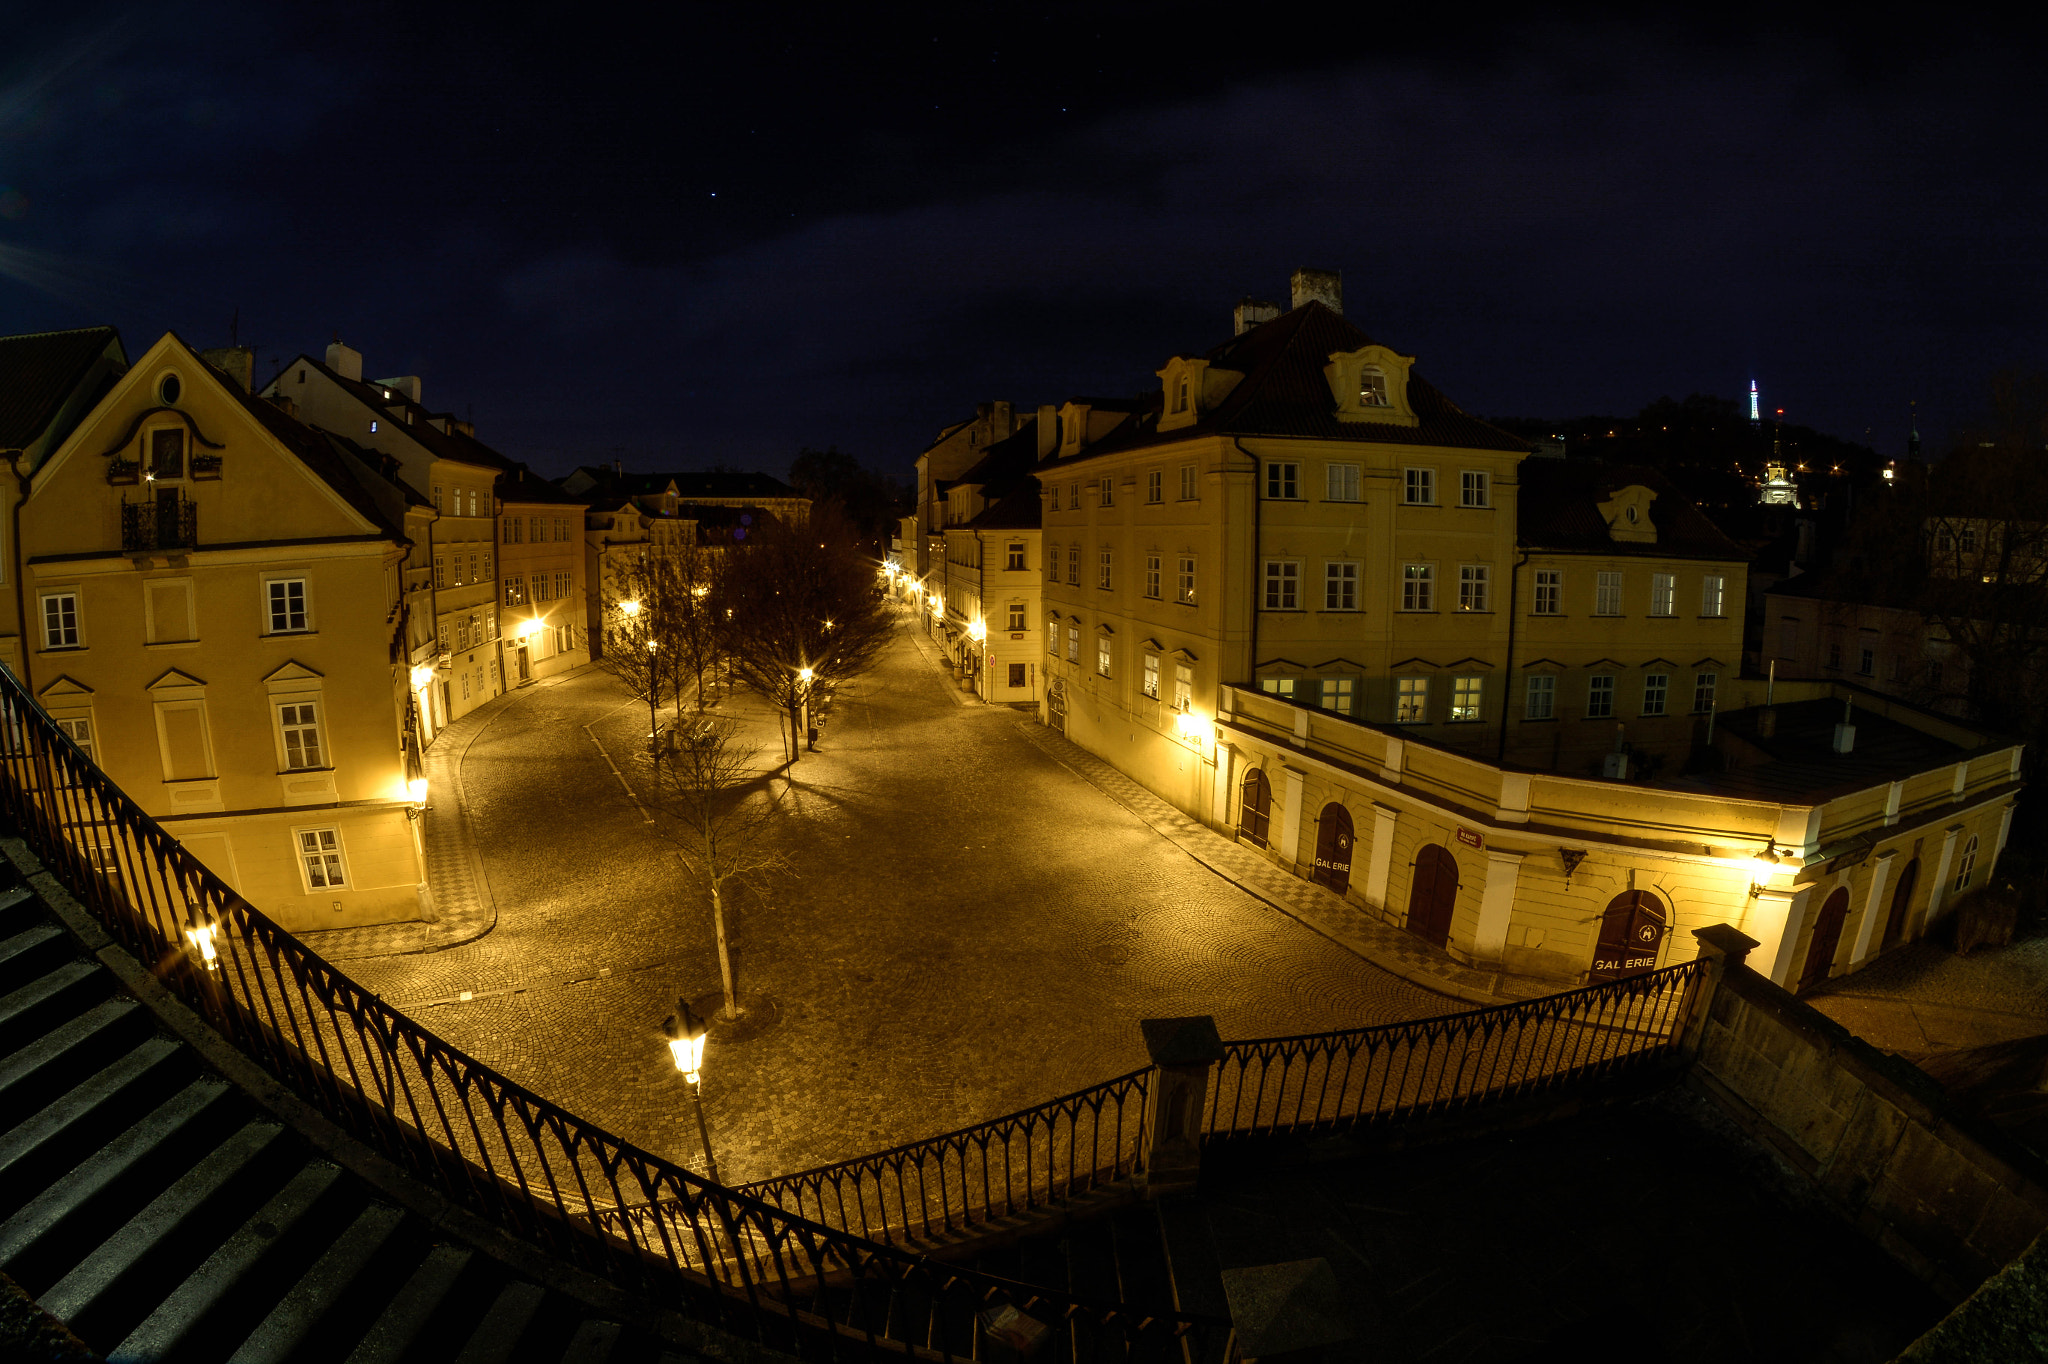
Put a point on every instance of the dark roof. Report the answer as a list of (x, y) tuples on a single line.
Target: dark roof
[(1559, 509), (521, 485), (421, 424), (707, 483), (1020, 509), (1003, 463), (1284, 393), (1800, 765), (39, 371)]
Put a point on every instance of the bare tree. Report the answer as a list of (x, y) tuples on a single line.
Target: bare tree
[(807, 614), (722, 829)]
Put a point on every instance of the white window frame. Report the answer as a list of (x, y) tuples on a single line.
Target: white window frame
[(1013, 560), (1340, 584), (1372, 387), (327, 848), (1468, 698), (1103, 651), (67, 633), (1704, 685), (1418, 486), (287, 727), (1663, 594), (1283, 480), (1190, 489), (1073, 565), (1074, 643), (1015, 617), (1342, 482), (1600, 690), (1052, 638), (1184, 588), (1183, 687), (1411, 700), (1548, 593), (1607, 592), (1966, 866), (1338, 695), (1108, 486), (1155, 487), (78, 729), (1418, 587), (1278, 686), (1539, 697), (1475, 488), (1656, 694), (1713, 596), (1151, 682), (1152, 576), (1475, 587), (1282, 579)]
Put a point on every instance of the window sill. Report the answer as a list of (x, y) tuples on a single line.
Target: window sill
[(1415, 611), (1710, 618), (1472, 611), (287, 634), (301, 771), (1422, 504), (1340, 611), (1548, 615), (172, 644), (1654, 715), (1539, 719), (1475, 506)]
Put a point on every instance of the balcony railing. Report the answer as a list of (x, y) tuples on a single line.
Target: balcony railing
[(159, 525)]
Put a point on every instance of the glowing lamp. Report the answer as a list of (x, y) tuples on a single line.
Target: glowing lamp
[(1189, 724), (416, 790), (977, 632), (528, 629), (804, 674), (421, 676), (686, 1042), (631, 608), (201, 937), (1768, 857)]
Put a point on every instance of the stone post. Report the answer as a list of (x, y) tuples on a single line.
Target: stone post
[(1183, 1052), (1721, 946)]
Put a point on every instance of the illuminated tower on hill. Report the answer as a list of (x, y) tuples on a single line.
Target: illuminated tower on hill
[(1755, 417)]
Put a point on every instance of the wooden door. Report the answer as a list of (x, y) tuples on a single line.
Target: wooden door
[(1902, 907), (523, 673), (1056, 704), (1630, 933), (1255, 812), (1827, 935), (1333, 848), (1433, 895)]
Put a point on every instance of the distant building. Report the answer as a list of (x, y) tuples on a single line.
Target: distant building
[(1778, 489), (989, 577)]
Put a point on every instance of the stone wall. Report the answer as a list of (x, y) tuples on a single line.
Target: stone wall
[(1874, 1134)]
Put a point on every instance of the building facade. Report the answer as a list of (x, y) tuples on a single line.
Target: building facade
[(541, 567)]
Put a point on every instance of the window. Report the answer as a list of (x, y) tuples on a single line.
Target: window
[(512, 528), (515, 591), (1151, 683), (1549, 591), (1073, 644), (1599, 696), (455, 565), (1187, 483), (487, 568), (1472, 584), (1341, 482), (1283, 581), (1152, 576), (1607, 594), (1339, 694), (1866, 662), (1016, 617), (301, 735), (561, 528), (1372, 387), (1277, 686), (320, 850), (1835, 655), (437, 498), (1074, 565), (440, 571), (1187, 579), (1108, 492), (1411, 700), (1283, 480), (1102, 568), (1539, 701), (1340, 586), (1013, 557), (1703, 692), (1052, 563), (60, 620), (167, 454), (1102, 655), (1967, 864), (286, 598), (1155, 486), (1418, 587), (1073, 497), (1475, 488), (1052, 638), (1017, 676), (1180, 394), (1663, 594), (472, 502), (1183, 686), (563, 584), (1419, 487), (79, 731), (1712, 590), (1465, 697), (1656, 686)]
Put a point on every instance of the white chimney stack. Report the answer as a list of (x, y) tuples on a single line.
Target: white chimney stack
[(345, 362)]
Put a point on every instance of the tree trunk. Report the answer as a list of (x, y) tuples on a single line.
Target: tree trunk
[(732, 1008), (796, 734)]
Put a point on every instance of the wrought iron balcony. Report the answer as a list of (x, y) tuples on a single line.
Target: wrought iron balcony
[(163, 524)]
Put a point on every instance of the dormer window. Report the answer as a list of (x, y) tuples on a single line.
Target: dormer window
[(1180, 395), (1372, 387)]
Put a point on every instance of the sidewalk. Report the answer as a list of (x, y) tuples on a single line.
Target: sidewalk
[(1390, 949), (1921, 1000)]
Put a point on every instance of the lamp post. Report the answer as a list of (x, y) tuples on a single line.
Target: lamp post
[(685, 1033), (803, 677), (640, 636)]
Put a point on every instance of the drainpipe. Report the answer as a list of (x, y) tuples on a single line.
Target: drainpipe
[(1258, 549), (1514, 615), (20, 565), (981, 597)]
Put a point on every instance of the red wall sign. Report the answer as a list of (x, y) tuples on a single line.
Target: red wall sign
[(1470, 839)]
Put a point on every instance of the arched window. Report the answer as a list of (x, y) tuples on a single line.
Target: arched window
[(1968, 863), (1372, 387)]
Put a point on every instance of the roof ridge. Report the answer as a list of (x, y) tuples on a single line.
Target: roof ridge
[(60, 331)]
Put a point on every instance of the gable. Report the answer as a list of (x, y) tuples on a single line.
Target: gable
[(1370, 384)]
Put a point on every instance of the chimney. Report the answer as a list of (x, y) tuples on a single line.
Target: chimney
[(345, 362), (1048, 432), (1249, 313), (408, 384), (237, 362), (1320, 286), (1845, 732)]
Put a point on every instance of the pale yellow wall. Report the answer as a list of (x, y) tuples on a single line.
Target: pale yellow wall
[(561, 640)]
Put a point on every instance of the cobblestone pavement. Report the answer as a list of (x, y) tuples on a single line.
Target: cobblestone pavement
[(1922, 999), (971, 929)]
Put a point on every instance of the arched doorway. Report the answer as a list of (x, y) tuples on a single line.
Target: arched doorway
[(1255, 815), (1333, 848), (1902, 906), (1630, 932), (1827, 935), (1433, 894), (1056, 705)]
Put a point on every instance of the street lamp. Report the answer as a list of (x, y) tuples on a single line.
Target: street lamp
[(685, 1032), (804, 676)]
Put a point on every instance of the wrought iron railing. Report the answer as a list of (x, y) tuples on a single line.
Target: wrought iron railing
[(159, 525), (496, 1148), (1400, 1072), (1054, 1154)]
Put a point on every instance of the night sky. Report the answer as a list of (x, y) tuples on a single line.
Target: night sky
[(717, 235)]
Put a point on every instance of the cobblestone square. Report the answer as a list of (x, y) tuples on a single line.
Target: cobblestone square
[(972, 928)]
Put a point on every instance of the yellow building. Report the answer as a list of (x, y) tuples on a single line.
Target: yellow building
[(217, 593), (988, 578), (540, 568)]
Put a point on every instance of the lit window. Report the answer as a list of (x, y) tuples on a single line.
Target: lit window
[(1967, 864), (1155, 486), (1656, 686), (1475, 488), (1152, 676), (1472, 586), (301, 736), (1539, 702), (1187, 483), (320, 850), (60, 620), (79, 731), (1607, 594), (1052, 638), (1013, 560), (1712, 590), (1073, 644), (1102, 568), (1419, 486), (1282, 480), (1102, 655), (1340, 694), (1282, 584), (1277, 686), (1187, 580), (1073, 565), (1703, 692), (1183, 686), (1418, 587), (1411, 700), (1152, 576), (1599, 696), (1180, 395), (1341, 482), (1466, 693), (1372, 387), (1549, 591), (1663, 594), (1340, 586)]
